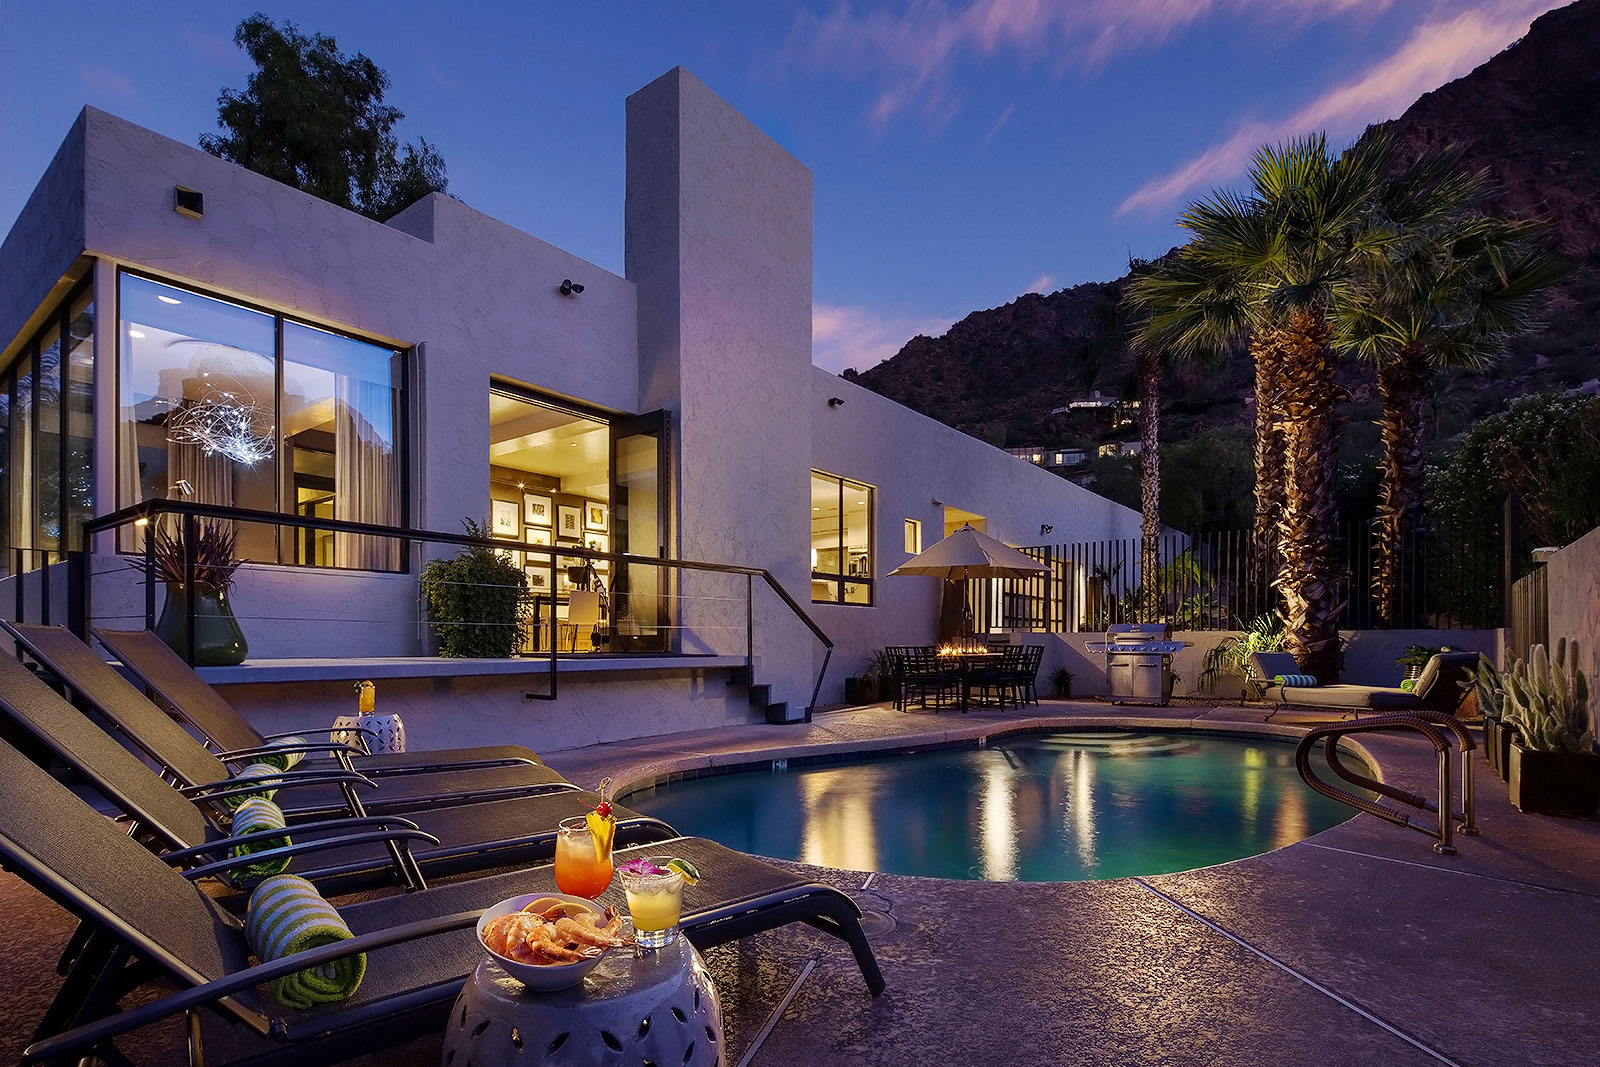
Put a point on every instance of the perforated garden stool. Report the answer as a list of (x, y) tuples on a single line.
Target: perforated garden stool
[(658, 1009)]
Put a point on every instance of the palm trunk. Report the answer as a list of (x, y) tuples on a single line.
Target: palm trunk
[(1401, 380), (1308, 577), (1150, 481), (1265, 349)]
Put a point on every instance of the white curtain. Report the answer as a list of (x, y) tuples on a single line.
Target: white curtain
[(366, 477)]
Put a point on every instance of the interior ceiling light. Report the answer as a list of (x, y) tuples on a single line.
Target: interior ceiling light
[(168, 299), (224, 423), (135, 333)]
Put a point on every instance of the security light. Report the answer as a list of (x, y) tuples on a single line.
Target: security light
[(569, 287), (836, 401)]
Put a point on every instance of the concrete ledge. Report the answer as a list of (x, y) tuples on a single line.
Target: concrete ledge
[(321, 670)]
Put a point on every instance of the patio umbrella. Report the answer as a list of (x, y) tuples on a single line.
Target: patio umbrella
[(970, 554)]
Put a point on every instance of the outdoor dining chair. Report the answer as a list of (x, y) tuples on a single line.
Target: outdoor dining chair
[(927, 678), (460, 838), (176, 684), (195, 766), (147, 918)]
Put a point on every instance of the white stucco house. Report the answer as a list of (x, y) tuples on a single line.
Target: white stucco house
[(177, 326)]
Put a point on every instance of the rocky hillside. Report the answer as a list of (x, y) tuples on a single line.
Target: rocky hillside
[(1531, 115)]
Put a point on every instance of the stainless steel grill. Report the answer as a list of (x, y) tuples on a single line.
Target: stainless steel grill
[(1138, 662)]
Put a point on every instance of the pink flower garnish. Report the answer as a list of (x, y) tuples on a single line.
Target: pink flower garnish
[(641, 867)]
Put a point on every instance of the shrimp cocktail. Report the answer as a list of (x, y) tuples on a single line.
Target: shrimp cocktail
[(583, 849), (654, 888)]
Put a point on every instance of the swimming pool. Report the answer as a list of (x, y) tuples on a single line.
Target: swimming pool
[(1055, 807)]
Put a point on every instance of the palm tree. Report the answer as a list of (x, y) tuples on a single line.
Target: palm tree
[(1448, 295), (1285, 253)]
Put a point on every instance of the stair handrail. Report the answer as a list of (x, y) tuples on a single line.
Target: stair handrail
[(150, 510), (1332, 733)]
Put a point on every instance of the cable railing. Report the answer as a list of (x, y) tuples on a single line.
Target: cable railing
[(648, 605)]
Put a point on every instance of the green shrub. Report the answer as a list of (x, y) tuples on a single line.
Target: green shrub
[(477, 601)]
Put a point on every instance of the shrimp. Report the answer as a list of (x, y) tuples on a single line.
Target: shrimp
[(507, 933)]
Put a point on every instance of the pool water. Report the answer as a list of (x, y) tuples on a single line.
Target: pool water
[(1034, 807)]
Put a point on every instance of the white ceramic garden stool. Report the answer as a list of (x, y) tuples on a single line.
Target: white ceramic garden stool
[(388, 732), (659, 1008)]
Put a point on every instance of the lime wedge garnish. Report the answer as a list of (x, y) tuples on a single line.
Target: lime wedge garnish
[(684, 868)]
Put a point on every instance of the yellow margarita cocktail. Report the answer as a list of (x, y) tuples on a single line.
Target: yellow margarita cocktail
[(654, 888)]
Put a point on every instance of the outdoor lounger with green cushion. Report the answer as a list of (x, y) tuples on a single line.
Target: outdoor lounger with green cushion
[(1436, 688), (459, 837), (193, 765), (185, 692), (419, 946)]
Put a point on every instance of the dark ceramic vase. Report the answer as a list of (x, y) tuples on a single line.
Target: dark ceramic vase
[(218, 641), (1555, 783)]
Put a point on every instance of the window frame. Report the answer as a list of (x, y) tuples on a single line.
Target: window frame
[(289, 507), (841, 582)]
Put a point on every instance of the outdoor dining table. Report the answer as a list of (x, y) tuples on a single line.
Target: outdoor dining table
[(964, 662)]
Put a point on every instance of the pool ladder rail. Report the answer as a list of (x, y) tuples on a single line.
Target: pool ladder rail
[(1432, 726)]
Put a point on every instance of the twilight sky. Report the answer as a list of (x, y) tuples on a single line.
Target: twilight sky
[(963, 151)]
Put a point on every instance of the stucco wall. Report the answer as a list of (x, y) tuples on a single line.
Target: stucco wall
[(1575, 606), (912, 461), (719, 244), (43, 244)]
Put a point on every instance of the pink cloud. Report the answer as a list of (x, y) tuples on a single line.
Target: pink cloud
[(1044, 283), (107, 81), (911, 51), (1438, 51), (862, 337), (217, 48)]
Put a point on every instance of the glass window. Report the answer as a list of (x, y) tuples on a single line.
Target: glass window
[(210, 415), (913, 537), (47, 443), (841, 540), (77, 401)]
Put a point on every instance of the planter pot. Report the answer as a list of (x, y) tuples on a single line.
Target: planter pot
[(1555, 783), (1491, 744), (1507, 735), (861, 690), (218, 641)]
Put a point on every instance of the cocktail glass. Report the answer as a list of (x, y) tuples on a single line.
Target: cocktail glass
[(655, 903), (580, 869)]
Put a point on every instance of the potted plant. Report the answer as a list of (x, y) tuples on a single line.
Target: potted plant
[(1554, 768), (874, 682), (477, 601), (1061, 683), (218, 641), (1485, 688), (1413, 659), (1232, 655)]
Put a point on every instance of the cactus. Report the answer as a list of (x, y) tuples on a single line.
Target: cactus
[(1486, 682), (1547, 703)]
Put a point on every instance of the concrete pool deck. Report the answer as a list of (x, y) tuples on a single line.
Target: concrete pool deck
[(1356, 946)]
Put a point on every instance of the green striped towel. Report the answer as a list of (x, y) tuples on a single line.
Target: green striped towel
[(258, 816), (265, 771), (1299, 681), (284, 761), (288, 915)]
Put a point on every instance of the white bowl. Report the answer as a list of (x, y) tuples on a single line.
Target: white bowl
[(540, 976)]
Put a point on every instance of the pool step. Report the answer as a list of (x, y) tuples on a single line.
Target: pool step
[(759, 695)]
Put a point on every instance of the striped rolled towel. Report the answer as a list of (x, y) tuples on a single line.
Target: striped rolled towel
[(286, 759), (1299, 681), (265, 771), (258, 817), (288, 915)]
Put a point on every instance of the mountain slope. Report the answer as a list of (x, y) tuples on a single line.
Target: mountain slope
[(1530, 115)]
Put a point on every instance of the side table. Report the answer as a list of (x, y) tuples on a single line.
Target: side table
[(660, 1008), (390, 730)]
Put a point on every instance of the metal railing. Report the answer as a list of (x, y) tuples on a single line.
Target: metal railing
[(1214, 580), (1530, 612), (186, 516), (1432, 726)]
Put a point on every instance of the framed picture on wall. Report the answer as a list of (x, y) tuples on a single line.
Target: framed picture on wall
[(569, 522), (503, 519), (597, 542), (538, 537), (536, 510), (594, 516), (538, 577)]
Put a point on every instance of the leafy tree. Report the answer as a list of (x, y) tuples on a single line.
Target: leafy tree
[(314, 118)]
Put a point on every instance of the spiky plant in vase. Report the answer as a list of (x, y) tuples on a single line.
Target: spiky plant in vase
[(218, 641), (1554, 767)]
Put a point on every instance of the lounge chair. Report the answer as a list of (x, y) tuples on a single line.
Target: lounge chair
[(197, 767), (419, 946), (1435, 690), (458, 838), (164, 673)]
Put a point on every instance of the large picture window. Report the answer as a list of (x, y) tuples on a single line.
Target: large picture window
[(841, 540), (230, 405)]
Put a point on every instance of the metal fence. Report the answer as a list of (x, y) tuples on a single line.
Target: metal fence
[(1530, 612), (1214, 580)]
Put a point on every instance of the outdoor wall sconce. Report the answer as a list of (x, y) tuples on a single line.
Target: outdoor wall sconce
[(938, 503), (836, 401), (569, 287), (1044, 528)]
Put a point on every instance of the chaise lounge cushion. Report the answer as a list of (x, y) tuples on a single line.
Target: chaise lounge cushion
[(1443, 668), (1371, 697)]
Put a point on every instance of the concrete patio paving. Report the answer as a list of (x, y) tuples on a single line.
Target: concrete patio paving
[(1358, 945)]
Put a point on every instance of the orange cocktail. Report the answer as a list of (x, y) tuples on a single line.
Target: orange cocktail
[(582, 869)]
